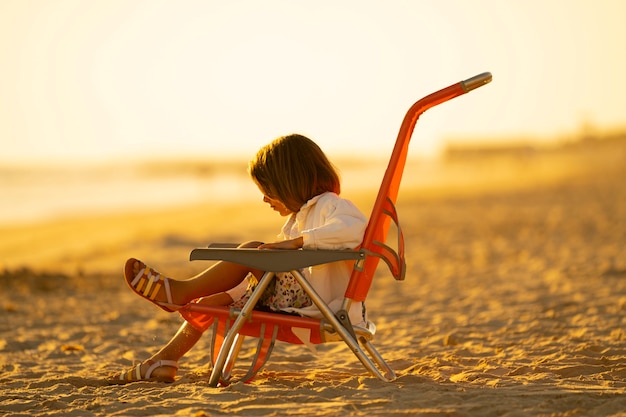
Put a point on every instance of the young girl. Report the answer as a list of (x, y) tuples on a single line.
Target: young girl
[(297, 180)]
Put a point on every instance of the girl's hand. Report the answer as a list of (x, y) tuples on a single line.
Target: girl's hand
[(284, 244)]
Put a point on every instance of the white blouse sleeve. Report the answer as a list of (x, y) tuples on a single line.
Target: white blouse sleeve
[(341, 226)]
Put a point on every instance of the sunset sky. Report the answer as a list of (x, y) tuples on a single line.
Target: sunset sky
[(110, 79)]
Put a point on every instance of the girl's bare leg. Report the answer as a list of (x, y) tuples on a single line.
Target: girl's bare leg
[(218, 278), (184, 339)]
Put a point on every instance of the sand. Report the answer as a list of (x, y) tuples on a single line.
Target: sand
[(514, 305)]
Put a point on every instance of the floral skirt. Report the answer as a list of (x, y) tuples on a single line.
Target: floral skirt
[(282, 292)]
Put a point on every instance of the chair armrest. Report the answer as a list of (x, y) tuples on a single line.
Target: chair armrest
[(274, 260)]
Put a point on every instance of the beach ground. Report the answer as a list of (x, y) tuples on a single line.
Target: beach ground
[(514, 305)]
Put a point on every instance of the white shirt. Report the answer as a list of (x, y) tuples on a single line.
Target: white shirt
[(328, 221)]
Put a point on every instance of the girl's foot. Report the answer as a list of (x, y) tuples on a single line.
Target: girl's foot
[(153, 371), (151, 285)]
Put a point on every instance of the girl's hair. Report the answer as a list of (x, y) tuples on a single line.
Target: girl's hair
[(293, 169)]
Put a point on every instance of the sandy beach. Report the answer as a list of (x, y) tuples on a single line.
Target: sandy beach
[(514, 305)]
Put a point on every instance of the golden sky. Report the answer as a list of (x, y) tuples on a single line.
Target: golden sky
[(123, 78)]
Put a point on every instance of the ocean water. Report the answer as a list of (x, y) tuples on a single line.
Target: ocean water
[(32, 194), (40, 193)]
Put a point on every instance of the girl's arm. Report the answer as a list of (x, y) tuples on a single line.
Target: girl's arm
[(296, 243), (340, 226)]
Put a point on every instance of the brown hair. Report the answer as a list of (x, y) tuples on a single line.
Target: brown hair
[(293, 169)]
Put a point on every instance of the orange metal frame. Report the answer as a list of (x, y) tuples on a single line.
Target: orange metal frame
[(231, 325)]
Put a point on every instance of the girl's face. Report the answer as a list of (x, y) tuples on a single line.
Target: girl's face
[(277, 206)]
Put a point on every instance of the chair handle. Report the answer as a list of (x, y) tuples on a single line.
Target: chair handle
[(476, 81)]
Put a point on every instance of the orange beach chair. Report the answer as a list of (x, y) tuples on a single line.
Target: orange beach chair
[(231, 326)]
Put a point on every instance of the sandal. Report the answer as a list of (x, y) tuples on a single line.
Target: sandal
[(147, 283), (134, 374)]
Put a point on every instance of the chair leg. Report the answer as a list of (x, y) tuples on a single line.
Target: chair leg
[(265, 345), (231, 359), (219, 328), (389, 374), (267, 338), (345, 331), (244, 315), (227, 342)]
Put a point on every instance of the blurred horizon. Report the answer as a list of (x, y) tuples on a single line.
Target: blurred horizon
[(35, 193), (94, 82), (201, 163)]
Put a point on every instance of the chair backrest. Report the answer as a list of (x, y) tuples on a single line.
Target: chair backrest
[(374, 241)]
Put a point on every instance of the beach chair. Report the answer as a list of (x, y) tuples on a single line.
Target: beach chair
[(230, 326)]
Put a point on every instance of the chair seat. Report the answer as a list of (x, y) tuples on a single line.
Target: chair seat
[(319, 330)]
